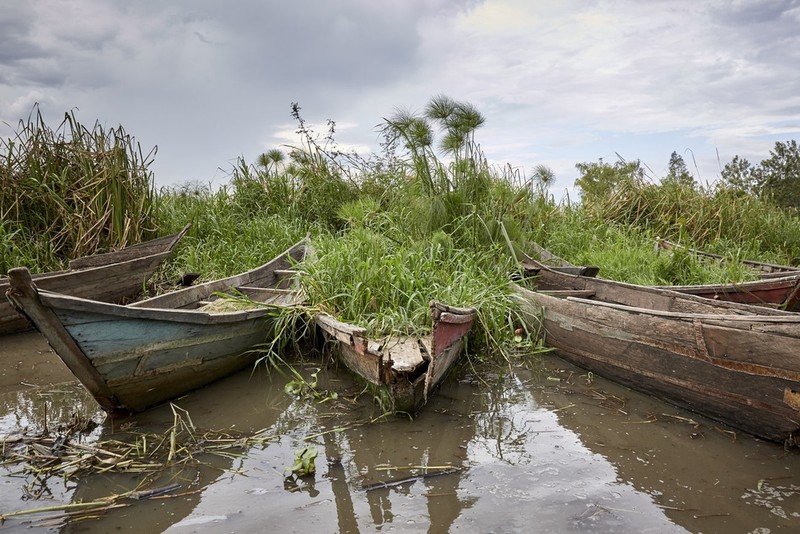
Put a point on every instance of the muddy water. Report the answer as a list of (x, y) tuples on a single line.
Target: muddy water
[(537, 448)]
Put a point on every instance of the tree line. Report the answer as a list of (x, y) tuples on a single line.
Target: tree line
[(775, 179)]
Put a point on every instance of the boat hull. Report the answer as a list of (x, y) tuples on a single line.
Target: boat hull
[(408, 369), (137, 356), (111, 277), (146, 361), (775, 291), (781, 292), (694, 299), (741, 370)]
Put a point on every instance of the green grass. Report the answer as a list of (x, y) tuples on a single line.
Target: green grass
[(385, 286), (391, 231)]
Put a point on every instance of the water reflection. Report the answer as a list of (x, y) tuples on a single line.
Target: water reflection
[(512, 466), (530, 470), (539, 448), (39, 409), (705, 476), (403, 470)]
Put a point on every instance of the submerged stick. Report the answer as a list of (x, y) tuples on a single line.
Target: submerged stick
[(65, 507), (401, 467), (406, 480), (144, 494)]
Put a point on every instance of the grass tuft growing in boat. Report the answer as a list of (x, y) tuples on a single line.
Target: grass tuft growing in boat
[(385, 285)]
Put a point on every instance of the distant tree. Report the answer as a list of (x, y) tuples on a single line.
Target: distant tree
[(780, 175), (776, 178), (678, 173), (600, 179), (742, 176)]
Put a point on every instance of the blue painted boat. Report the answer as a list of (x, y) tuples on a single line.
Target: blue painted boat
[(137, 356)]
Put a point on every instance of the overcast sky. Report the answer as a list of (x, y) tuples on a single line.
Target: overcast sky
[(559, 82)]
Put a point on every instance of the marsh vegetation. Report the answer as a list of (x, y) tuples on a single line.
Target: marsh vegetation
[(427, 217)]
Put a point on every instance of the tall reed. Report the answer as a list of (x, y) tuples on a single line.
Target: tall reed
[(385, 285), (226, 237), (72, 191), (718, 218)]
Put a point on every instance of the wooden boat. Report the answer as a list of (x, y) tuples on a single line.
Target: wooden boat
[(782, 292), (408, 368), (136, 356), (110, 277), (764, 269), (546, 257), (544, 278), (733, 362)]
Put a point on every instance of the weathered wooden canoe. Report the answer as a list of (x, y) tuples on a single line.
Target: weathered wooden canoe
[(136, 356), (764, 269), (553, 281), (110, 277), (782, 292), (736, 363), (408, 368)]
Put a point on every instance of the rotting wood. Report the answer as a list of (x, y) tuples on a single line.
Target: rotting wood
[(408, 368), (792, 398), (407, 480)]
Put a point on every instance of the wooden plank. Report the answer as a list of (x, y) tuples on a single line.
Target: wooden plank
[(563, 293), (404, 353), (344, 332), (147, 248)]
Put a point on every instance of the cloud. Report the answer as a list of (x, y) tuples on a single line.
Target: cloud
[(208, 81)]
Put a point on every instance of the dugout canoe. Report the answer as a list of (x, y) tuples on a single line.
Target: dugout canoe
[(544, 256), (733, 362), (544, 278), (775, 292), (763, 269), (136, 356), (407, 368), (110, 277)]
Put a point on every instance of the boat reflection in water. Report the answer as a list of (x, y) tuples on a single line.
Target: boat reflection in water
[(545, 449)]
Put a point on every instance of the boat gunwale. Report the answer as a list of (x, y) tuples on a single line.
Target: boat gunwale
[(789, 318), (736, 308)]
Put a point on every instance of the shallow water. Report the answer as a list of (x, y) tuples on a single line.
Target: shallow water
[(543, 447)]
